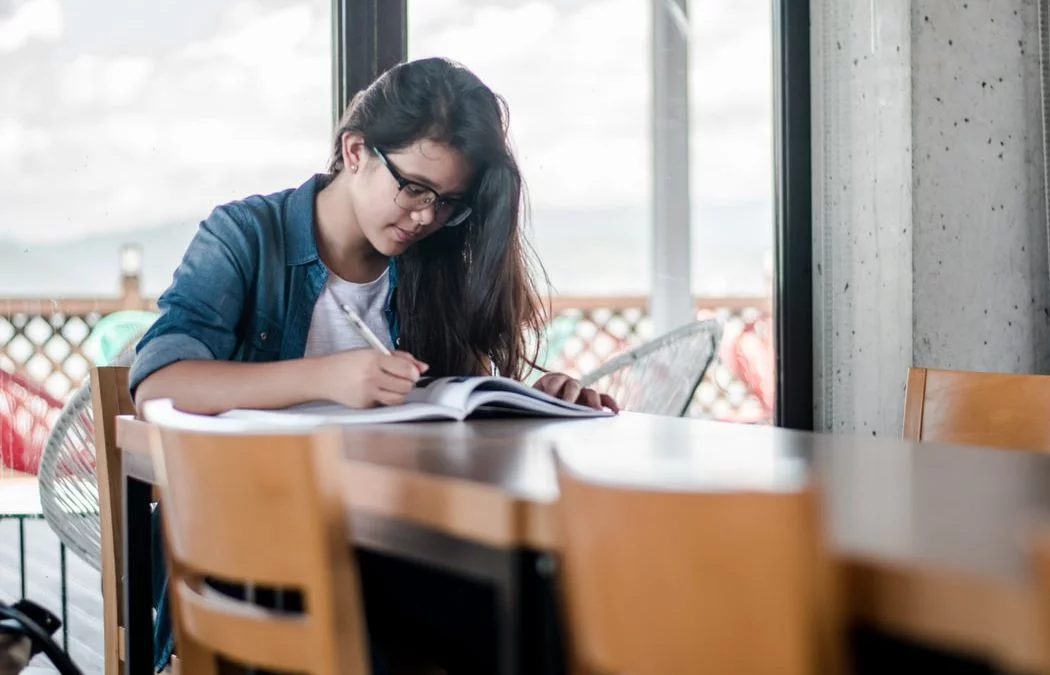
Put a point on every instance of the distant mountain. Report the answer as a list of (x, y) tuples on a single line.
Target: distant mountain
[(584, 251), (608, 252), (90, 266)]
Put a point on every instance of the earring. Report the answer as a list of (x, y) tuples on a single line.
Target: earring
[(353, 167)]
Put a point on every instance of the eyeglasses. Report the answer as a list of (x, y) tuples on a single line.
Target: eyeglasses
[(412, 196)]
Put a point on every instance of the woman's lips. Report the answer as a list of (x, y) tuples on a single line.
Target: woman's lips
[(403, 236)]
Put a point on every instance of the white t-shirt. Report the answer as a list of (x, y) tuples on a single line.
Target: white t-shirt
[(331, 332)]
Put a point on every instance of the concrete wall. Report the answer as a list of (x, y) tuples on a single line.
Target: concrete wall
[(980, 249), (930, 230)]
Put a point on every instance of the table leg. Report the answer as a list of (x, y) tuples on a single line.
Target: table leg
[(138, 591), (530, 635), (546, 640), (873, 652), (508, 614)]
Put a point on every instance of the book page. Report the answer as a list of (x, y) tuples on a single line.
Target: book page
[(470, 393), (444, 398), (449, 392), (510, 402), (327, 412), (515, 391)]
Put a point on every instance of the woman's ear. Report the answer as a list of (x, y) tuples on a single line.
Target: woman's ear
[(354, 151)]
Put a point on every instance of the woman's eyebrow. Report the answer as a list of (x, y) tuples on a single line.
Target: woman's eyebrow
[(423, 180)]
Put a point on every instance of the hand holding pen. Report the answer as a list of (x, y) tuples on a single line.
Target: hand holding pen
[(365, 378)]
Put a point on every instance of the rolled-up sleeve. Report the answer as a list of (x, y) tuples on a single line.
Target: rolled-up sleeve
[(200, 311)]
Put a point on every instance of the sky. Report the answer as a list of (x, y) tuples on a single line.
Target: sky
[(119, 116)]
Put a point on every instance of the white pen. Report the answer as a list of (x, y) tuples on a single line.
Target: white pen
[(363, 330)]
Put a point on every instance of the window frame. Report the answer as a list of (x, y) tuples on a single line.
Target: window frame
[(370, 36)]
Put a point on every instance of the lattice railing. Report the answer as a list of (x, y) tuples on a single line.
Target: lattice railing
[(47, 348), (585, 332), (45, 340)]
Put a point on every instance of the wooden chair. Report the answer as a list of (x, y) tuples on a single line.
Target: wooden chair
[(1040, 566), (970, 408), (658, 581), (110, 397), (260, 510)]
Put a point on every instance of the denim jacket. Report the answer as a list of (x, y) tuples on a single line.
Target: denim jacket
[(244, 291), (246, 287)]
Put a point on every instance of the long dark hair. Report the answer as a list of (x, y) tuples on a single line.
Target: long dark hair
[(465, 294)]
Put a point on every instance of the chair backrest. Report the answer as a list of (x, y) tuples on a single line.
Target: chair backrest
[(68, 480), (661, 376), (27, 411), (970, 408), (662, 581), (1039, 565), (110, 397), (261, 508)]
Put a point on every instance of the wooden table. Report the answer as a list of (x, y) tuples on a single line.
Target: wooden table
[(932, 540)]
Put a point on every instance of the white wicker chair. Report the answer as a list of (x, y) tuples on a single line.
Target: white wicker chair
[(67, 478), (661, 376)]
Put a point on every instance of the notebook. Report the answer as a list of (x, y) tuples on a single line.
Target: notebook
[(443, 398)]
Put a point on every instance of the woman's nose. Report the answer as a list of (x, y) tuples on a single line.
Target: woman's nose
[(424, 216)]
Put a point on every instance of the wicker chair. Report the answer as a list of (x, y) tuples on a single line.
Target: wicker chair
[(68, 482), (661, 376)]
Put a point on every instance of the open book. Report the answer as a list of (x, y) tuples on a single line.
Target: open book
[(443, 398)]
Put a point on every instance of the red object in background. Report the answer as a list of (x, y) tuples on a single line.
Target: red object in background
[(26, 414), (748, 353)]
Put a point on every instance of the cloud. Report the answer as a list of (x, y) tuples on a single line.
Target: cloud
[(261, 39), (33, 19), (578, 85), (244, 107), (18, 140), (149, 141), (115, 81), (575, 85)]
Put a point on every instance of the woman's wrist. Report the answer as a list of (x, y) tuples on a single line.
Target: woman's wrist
[(313, 378)]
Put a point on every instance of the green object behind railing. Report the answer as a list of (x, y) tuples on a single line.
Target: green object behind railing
[(114, 332), (558, 332)]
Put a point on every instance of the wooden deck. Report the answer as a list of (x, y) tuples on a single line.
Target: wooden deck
[(20, 509)]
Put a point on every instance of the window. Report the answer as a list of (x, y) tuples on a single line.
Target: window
[(126, 123), (577, 78)]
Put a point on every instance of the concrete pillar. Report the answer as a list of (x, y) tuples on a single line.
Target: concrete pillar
[(930, 243), (862, 212), (980, 250), (671, 302)]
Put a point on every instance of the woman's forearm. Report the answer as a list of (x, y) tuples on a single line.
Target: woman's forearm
[(212, 387)]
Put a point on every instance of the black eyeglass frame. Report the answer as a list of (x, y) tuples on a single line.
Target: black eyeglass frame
[(461, 209)]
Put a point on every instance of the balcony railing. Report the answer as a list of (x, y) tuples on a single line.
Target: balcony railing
[(584, 332), (44, 339)]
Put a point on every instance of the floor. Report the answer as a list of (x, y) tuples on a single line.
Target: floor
[(43, 576)]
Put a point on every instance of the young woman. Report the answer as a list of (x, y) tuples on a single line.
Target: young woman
[(416, 226)]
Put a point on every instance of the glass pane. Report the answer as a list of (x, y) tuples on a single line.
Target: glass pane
[(125, 123), (582, 139), (128, 122), (587, 173), (731, 100), (577, 77)]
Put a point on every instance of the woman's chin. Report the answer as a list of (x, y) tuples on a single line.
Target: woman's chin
[(391, 250), (387, 245)]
